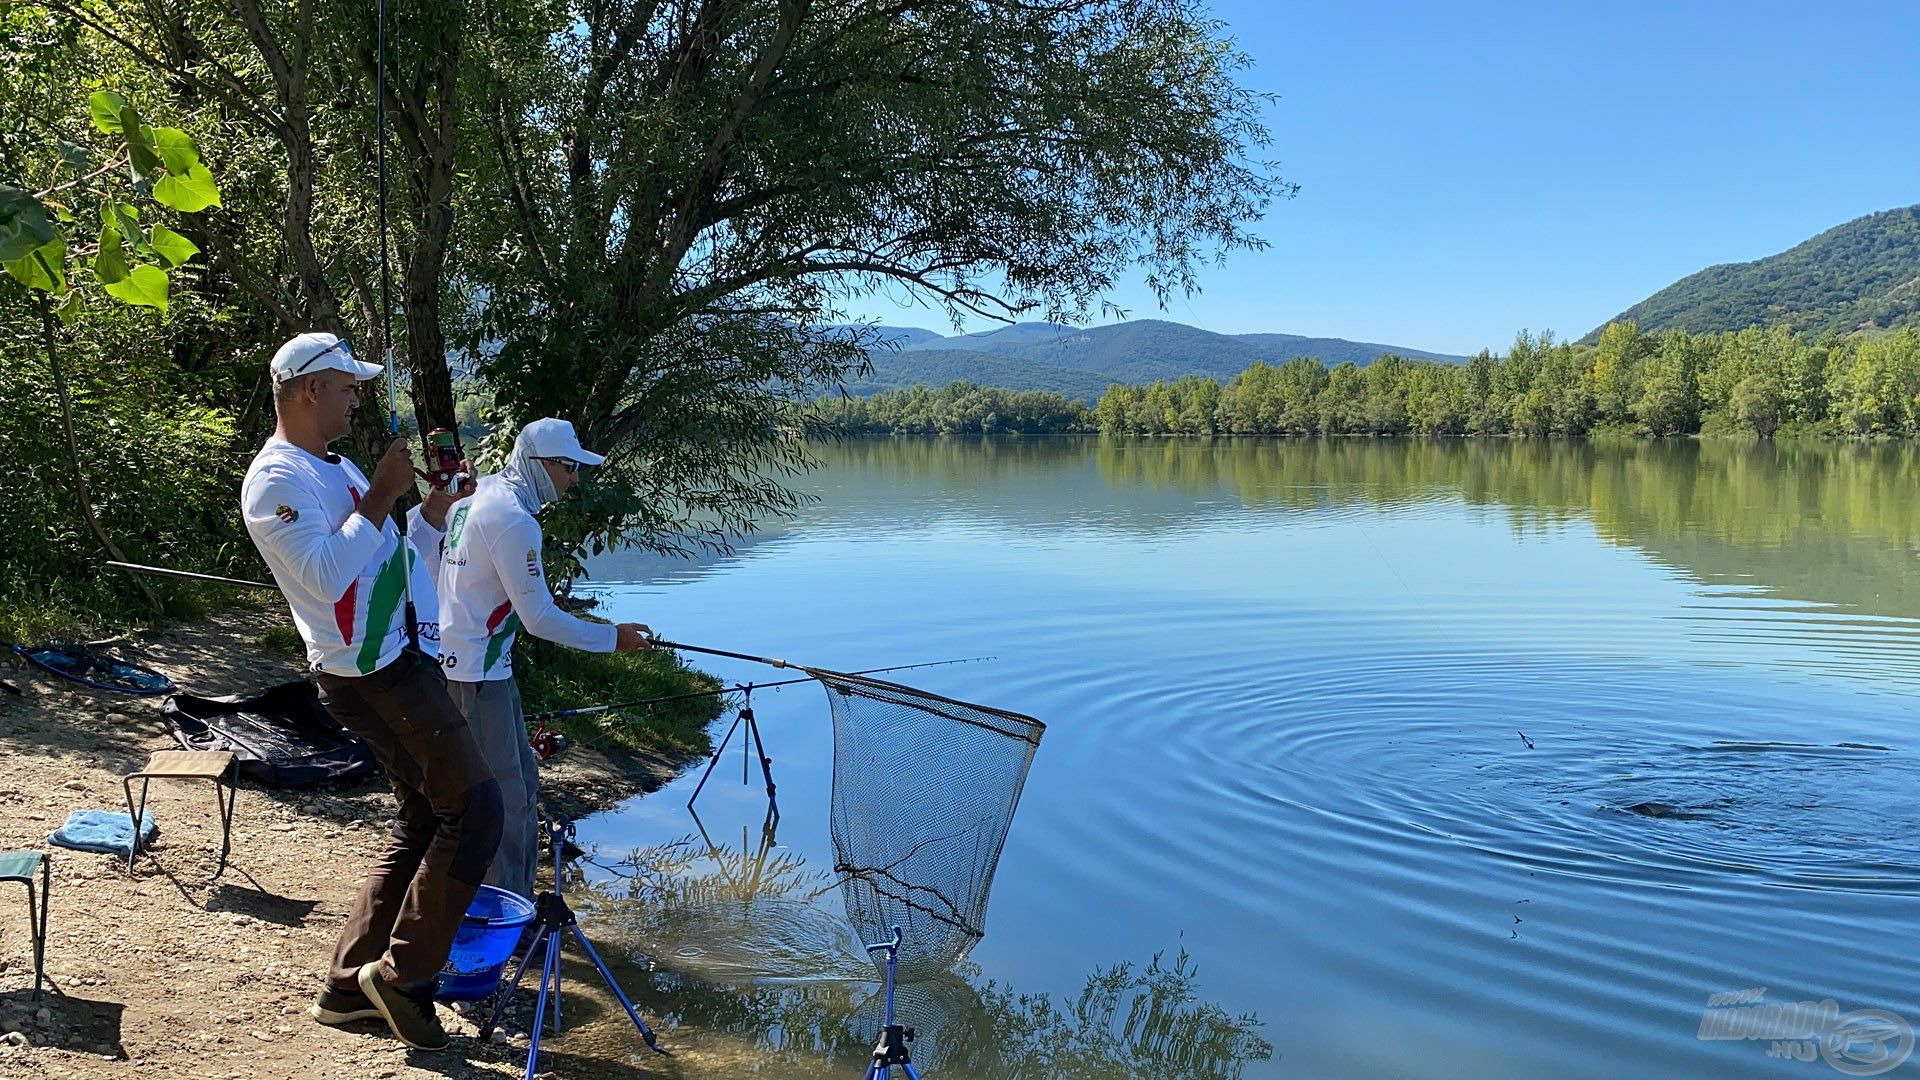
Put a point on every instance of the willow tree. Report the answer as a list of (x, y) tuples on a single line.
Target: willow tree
[(287, 89), (683, 195)]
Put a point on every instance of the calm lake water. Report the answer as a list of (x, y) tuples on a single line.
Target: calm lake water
[(1363, 759)]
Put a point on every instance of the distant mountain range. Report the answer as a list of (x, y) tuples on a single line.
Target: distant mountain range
[(1858, 277), (1083, 361)]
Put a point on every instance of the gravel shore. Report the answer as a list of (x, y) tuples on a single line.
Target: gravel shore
[(177, 970)]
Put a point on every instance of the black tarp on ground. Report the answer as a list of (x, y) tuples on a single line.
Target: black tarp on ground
[(282, 737)]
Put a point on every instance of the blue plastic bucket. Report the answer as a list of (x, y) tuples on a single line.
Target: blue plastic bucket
[(480, 949)]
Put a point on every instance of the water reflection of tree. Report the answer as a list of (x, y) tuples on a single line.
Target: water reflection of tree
[(1826, 522), (1126, 1021)]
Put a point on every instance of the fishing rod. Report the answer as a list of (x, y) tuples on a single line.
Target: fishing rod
[(189, 574), (767, 660), (386, 305), (590, 710)]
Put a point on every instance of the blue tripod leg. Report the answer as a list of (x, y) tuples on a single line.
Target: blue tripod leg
[(547, 980), (559, 956), (513, 984), (646, 1032)]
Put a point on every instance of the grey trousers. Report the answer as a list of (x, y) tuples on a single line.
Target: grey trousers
[(493, 715)]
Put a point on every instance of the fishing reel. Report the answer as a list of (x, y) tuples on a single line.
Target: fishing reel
[(546, 743), (445, 460)]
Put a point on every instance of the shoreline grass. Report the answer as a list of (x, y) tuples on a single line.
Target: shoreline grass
[(553, 677)]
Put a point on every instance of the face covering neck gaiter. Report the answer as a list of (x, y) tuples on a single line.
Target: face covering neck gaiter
[(528, 477)]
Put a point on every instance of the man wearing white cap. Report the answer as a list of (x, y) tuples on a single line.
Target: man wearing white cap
[(492, 584), (327, 535)]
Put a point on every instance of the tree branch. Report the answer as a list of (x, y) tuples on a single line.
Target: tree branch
[(238, 96), (251, 285)]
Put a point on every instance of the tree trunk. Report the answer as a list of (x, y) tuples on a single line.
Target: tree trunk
[(80, 489), (427, 353)]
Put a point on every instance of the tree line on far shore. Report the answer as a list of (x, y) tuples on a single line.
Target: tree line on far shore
[(1757, 382)]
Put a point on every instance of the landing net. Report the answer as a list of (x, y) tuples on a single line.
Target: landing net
[(96, 669), (924, 789)]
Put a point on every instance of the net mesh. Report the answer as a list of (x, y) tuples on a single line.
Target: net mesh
[(924, 789), (84, 665)]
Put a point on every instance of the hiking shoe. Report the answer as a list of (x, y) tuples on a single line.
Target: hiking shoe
[(335, 1006), (409, 1013)]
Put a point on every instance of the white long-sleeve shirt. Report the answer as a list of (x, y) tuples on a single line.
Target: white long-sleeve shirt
[(492, 583), (342, 577)]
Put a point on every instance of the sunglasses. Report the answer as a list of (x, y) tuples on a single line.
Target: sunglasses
[(568, 464), (310, 361)]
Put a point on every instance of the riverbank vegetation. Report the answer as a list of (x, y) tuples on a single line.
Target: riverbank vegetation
[(1757, 382), (960, 408), (1751, 382)]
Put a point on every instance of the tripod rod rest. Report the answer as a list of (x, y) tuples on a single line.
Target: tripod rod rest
[(550, 909), (892, 1047)]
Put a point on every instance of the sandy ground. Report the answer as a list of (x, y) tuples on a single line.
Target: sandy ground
[(179, 971)]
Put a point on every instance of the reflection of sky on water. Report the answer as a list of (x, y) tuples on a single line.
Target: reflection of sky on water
[(1283, 728)]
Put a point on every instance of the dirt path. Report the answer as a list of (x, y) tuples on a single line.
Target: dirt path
[(175, 971)]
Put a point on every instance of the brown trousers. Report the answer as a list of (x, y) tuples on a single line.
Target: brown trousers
[(447, 829)]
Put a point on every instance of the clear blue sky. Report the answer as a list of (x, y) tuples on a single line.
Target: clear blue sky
[(1468, 169)]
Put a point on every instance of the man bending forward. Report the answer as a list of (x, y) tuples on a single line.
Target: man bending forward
[(325, 532)]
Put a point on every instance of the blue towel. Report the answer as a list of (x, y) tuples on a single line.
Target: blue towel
[(105, 831)]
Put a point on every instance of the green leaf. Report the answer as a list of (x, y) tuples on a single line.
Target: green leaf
[(69, 312), (142, 160), (75, 157), (176, 149), (107, 107), (110, 262), (146, 286), (171, 246), (44, 268), (121, 215), (24, 224), (126, 217), (190, 192)]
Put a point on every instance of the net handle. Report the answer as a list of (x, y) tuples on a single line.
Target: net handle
[(1028, 722)]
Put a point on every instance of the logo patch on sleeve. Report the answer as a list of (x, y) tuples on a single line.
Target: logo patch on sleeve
[(533, 563), (286, 513)]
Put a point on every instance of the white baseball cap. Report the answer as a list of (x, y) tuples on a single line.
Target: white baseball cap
[(554, 438), (308, 354)]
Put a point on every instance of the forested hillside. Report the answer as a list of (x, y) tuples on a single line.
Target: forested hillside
[(1861, 276)]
